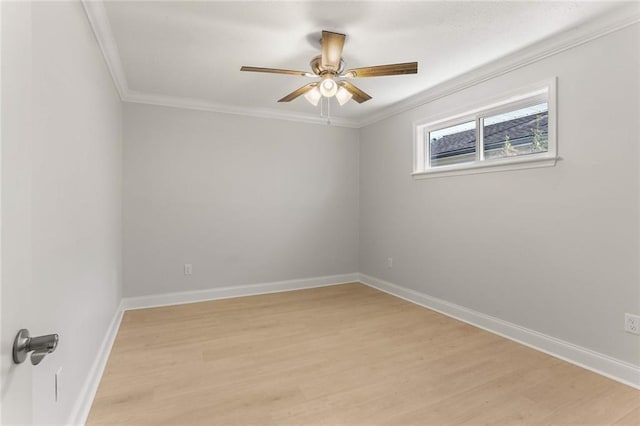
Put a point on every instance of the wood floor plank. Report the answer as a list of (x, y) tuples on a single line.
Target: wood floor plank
[(339, 355)]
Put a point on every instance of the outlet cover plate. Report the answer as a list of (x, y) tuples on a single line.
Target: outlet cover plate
[(632, 323)]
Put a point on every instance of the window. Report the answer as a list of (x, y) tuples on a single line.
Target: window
[(516, 132), (453, 144)]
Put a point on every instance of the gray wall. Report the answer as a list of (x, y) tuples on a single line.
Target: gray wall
[(551, 249), (61, 202), (249, 200), (244, 200)]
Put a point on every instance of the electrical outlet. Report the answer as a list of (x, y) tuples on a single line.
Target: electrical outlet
[(389, 262), (632, 323), (188, 269)]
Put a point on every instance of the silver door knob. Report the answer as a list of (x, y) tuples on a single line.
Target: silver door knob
[(39, 346)]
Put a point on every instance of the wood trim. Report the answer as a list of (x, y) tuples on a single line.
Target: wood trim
[(550, 46), (81, 408), (202, 105), (167, 299), (599, 363), (101, 27), (604, 365), (346, 354), (553, 45)]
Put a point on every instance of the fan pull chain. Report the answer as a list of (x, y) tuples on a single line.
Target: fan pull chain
[(328, 116)]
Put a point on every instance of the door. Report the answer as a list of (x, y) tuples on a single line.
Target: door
[(15, 206)]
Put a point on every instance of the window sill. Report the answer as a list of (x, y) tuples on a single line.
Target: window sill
[(486, 167)]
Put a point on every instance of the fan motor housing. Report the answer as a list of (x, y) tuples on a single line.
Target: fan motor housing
[(318, 69)]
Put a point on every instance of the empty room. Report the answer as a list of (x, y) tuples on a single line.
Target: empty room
[(319, 213)]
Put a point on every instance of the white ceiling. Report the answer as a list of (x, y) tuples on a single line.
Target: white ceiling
[(195, 49)]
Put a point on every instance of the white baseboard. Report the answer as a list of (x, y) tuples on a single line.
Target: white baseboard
[(604, 365), (83, 404), (167, 299), (615, 369), (90, 387)]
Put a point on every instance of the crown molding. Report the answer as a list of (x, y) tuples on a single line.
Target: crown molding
[(204, 105), (99, 22), (616, 20), (101, 27)]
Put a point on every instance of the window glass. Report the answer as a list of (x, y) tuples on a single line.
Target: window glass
[(518, 132), (452, 145)]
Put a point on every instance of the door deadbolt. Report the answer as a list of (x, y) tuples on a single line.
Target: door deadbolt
[(39, 346)]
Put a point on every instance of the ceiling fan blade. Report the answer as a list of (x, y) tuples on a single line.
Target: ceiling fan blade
[(381, 70), (358, 95), (332, 44), (276, 71), (298, 92)]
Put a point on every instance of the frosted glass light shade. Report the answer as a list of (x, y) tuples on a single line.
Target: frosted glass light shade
[(328, 87), (343, 96), (313, 96)]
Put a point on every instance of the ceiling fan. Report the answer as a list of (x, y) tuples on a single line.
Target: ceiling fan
[(329, 66)]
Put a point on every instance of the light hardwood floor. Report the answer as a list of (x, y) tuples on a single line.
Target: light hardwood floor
[(340, 355)]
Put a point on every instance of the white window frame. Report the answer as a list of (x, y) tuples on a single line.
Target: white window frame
[(538, 93)]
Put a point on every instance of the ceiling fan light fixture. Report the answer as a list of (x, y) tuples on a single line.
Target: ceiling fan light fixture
[(343, 95), (329, 66), (328, 87), (313, 96)]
